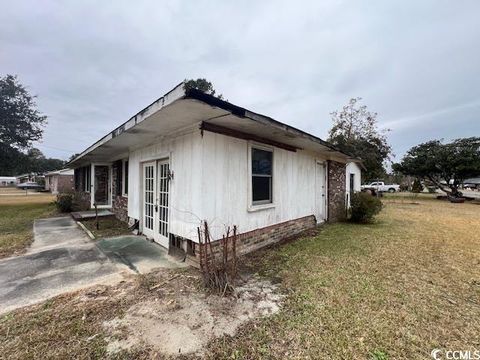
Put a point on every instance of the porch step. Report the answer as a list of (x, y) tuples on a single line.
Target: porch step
[(90, 214)]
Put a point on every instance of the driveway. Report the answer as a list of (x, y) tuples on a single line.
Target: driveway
[(62, 258)]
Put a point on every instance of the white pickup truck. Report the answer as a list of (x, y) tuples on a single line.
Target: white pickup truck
[(380, 186)]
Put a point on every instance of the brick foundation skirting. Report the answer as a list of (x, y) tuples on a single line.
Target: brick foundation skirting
[(256, 239)]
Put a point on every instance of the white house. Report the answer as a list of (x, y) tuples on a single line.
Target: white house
[(190, 156), (353, 174)]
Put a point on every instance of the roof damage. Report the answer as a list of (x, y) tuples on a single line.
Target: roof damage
[(214, 115)]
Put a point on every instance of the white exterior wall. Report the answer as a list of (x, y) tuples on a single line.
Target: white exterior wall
[(226, 182), (353, 168), (184, 153), (211, 182)]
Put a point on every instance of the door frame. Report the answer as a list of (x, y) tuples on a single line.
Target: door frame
[(92, 185), (154, 233), (150, 233), (321, 205), (159, 238)]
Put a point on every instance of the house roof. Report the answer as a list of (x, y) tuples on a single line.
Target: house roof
[(60, 172), (180, 109)]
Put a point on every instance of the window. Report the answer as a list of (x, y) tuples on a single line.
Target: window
[(262, 174), (352, 183), (125, 177), (88, 178)]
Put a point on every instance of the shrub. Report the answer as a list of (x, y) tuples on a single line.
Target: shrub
[(417, 186), (64, 202), (363, 207), (80, 202)]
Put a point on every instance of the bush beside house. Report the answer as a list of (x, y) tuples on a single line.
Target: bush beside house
[(364, 207)]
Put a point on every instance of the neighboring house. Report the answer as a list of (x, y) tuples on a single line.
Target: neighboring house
[(353, 179), (190, 156), (59, 181), (30, 177), (8, 181)]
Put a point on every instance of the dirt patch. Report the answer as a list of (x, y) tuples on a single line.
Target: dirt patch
[(188, 322)]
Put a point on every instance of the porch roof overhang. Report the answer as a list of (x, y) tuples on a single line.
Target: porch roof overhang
[(182, 109)]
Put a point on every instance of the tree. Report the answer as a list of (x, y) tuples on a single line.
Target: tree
[(38, 163), (20, 124), (20, 121), (445, 165), (355, 132), (203, 85)]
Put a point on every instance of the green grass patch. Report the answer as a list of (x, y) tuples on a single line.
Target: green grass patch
[(16, 224)]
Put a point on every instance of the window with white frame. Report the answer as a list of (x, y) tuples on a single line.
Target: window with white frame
[(88, 178), (125, 178), (262, 175)]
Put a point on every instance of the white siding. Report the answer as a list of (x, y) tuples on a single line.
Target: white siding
[(211, 182), (225, 185), (185, 162), (353, 168)]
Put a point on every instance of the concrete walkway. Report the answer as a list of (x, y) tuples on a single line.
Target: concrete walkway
[(62, 258)]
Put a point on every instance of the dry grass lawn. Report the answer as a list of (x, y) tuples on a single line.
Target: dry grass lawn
[(395, 289), (17, 213)]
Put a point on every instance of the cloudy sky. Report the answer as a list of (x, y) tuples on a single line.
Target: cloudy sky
[(94, 64)]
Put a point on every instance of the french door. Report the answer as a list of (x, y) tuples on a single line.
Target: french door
[(156, 195)]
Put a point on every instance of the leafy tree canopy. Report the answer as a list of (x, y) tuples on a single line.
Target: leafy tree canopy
[(20, 121), (203, 85), (445, 165), (14, 162), (21, 124), (355, 132)]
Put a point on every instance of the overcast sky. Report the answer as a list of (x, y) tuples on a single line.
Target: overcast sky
[(95, 64)]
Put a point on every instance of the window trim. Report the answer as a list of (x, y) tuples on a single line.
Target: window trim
[(87, 178), (124, 194), (260, 205)]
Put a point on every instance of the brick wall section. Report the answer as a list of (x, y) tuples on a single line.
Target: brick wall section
[(82, 198), (65, 183), (79, 179), (253, 240), (119, 202), (336, 191)]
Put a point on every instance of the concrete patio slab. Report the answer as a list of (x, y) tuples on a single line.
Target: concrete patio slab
[(138, 253), (90, 214)]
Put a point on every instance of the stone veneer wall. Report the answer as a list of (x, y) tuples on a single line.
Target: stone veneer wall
[(336, 191), (119, 202), (253, 240)]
